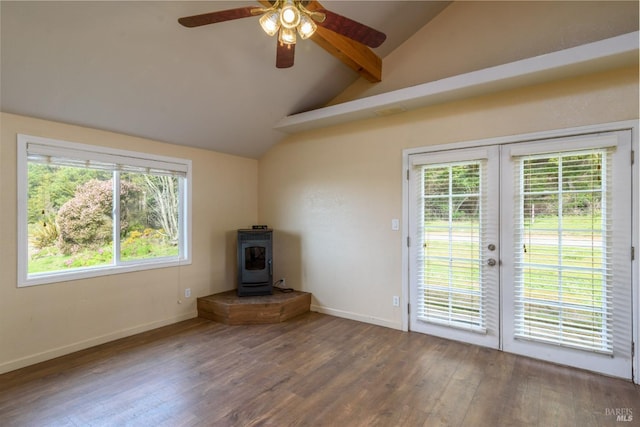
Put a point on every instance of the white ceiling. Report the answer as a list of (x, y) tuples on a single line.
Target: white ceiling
[(129, 67)]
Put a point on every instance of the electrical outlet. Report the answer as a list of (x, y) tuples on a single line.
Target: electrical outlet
[(187, 292), (396, 301)]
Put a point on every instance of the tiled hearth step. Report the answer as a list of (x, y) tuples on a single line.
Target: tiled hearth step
[(229, 308)]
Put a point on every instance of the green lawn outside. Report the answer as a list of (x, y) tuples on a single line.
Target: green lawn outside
[(455, 267), (137, 246)]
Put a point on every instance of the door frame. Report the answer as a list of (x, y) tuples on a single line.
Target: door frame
[(632, 125), (490, 155)]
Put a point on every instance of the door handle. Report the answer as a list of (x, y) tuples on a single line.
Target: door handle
[(491, 262)]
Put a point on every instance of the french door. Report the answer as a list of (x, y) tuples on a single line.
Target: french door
[(527, 248), (454, 249)]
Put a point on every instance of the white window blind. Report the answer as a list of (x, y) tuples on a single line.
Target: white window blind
[(85, 157), (449, 269), (562, 264)]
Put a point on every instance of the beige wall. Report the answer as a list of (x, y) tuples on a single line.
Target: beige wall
[(41, 322), (331, 193), (469, 36)]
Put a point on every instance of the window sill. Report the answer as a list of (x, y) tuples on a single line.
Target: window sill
[(88, 273)]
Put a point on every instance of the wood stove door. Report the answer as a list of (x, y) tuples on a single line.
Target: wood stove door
[(256, 262)]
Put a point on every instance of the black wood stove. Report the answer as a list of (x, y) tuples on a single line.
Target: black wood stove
[(255, 263)]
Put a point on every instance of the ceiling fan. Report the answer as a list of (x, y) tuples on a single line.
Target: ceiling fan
[(288, 17)]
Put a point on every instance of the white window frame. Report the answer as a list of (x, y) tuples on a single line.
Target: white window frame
[(97, 152)]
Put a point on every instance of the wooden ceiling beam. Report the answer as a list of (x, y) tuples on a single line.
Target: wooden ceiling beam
[(355, 55)]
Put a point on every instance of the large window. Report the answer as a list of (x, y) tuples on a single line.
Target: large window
[(85, 211)]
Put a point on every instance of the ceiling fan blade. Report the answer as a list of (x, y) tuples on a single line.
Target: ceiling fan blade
[(284, 55), (352, 29), (220, 16)]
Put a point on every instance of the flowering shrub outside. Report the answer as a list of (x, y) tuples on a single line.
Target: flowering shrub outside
[(145, 244), (85, 220)]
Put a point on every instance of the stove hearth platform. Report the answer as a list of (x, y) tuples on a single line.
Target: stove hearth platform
[(229, 308)]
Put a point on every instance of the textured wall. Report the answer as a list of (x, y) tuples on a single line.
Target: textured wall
[(41, 322), (331, 193)]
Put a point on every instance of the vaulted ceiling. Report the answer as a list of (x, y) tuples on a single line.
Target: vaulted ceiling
[(129, 67)]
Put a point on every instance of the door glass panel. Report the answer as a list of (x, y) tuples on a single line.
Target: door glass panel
[(562, 270), (450, 291)]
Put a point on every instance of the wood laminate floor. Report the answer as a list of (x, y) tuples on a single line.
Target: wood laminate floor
[(313, 370)]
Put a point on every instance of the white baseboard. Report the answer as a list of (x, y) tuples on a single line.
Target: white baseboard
[(356, 316), (91, 342)]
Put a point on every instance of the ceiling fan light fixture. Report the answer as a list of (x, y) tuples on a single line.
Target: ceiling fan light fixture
[(291, 18), (270, 22), (289, 15), (307, 27), (287, 36)]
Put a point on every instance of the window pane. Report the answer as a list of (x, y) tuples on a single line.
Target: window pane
[(563, 287), (149, 223), (451, 279), (68, 218)]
